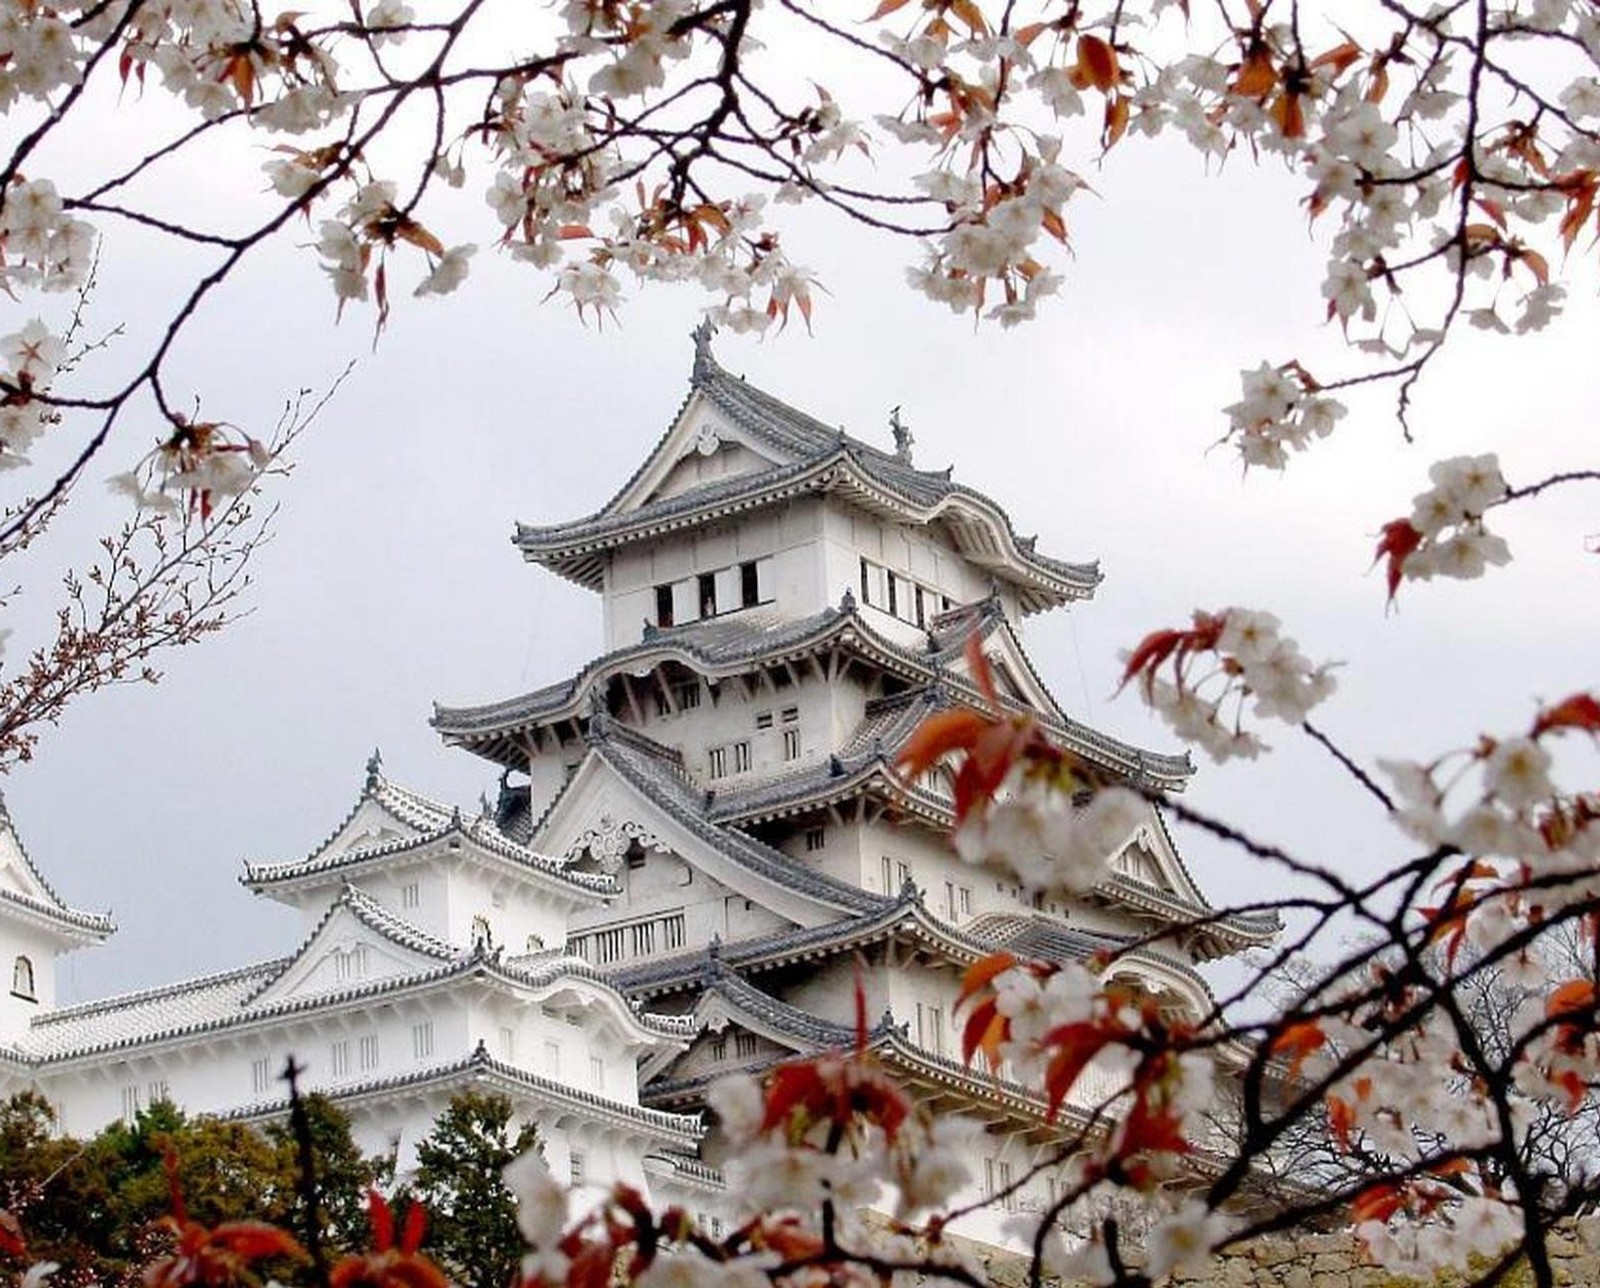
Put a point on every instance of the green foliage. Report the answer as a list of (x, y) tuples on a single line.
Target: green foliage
[(343, 1175), (459, 1165)]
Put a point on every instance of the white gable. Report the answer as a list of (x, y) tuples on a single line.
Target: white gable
[(347, 952), (703, 446), (16, 874)]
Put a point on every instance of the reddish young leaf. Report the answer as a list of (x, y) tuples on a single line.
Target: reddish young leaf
[(1580, 711), (11, 1241), (886, 8), (1377, 1202), (1298, 1041), (1097, 63), (982, 973), (940, 734), (1396, 542)]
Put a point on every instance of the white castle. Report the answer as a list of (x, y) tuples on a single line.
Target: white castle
[(701, 843)]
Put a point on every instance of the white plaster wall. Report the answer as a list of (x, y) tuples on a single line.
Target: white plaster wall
[(40, 947)]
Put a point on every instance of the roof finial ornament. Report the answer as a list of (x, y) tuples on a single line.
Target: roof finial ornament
[(704, 363), (847, 601), (902, 436), (374, 769)]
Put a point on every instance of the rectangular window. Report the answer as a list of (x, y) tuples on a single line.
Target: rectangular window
[(664, 605), (719, 1048), (988, 1177), (706, 589), (687, 693), (597, 1074), (816, 838), (791, 744), (508, 1042), (130, 1101), (663, 707), (749, 586), (1009, 1203), (922, 607), (157, 1091), (744, 1045), (950, 900), (717, 762), (339, 1059), (894, 597), (261, 1076), (741, 757), (791, 715), (886, 871), (964, 900), (552, 1059), (575, 1168), (672, 931), (422, 1040), (368, 1052), (764, 720), (766, 591), (410, 895), (866, 583), (936, 1030)]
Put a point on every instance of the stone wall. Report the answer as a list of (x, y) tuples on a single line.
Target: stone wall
[(1336, 1261)]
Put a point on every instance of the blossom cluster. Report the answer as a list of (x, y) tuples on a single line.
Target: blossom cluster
[(1445, 534), (1279, 412), (198, 464), (1246, 657), (30, 358)]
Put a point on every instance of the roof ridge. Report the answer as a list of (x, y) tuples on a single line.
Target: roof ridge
[(118, 1001)]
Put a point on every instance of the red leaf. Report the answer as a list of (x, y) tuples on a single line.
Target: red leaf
[(381, 1220), (11, 1240), (940, 734), (980, 670), (416, 1226), (1299, 1041), (1580, 711), (1097, 63), (982, 973), (1396, 542)]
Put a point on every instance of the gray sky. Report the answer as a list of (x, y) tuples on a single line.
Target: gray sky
[(392, 582)]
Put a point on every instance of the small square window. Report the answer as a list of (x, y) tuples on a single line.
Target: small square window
[(764, 720)]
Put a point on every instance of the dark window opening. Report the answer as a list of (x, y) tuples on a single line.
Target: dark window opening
[(663, 605), (708, 594), (921, 608), (894, 609), (749, 586), (866, 593)]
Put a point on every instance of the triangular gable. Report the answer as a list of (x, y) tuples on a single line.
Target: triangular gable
[(17, 874), (1013, 672), (602, 811), (702, 446), (356, 944), (1149, 857)]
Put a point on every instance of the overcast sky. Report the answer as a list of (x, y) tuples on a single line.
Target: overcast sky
[(391, 581)]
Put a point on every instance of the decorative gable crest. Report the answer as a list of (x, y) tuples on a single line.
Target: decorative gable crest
[(610, 839)]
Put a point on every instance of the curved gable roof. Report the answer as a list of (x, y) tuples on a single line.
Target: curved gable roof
[(807, 456)]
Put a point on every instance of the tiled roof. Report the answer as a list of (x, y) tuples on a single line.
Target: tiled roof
[(817, 458), (219, 1002), (433, 822), (192, 1005), (654, 770), (679, 1129), (728, 646)]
